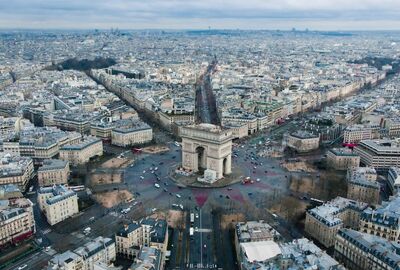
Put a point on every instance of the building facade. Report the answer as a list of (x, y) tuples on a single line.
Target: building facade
[(360, 251), (83, 151), (384, 221), (57, 203), (302, 141), (342, 159), (323, 222), (53, 172), (380, 154)]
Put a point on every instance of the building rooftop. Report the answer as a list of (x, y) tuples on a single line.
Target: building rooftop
[(328, 212), (53, 164)]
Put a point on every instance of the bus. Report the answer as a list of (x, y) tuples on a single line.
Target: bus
[(191, 218)]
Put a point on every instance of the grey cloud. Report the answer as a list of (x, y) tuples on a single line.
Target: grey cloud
[(191, 13)]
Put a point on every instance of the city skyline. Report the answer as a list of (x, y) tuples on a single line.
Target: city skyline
[(158, 14)]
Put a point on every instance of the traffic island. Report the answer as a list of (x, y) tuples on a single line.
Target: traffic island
[(192, 179)]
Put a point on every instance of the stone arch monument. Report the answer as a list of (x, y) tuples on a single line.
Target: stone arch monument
[(207, 147)]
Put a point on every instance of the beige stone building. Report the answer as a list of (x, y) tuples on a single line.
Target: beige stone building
[(15, 170), (136, 133), (323, 222), (148, 232), (384, 221), (52, 172), (83, 151), (207, 147), (342, 159), (360, 251), (239, 130), (16, 221), (57, 203), (362, 185), (303, 141), (357, 133)]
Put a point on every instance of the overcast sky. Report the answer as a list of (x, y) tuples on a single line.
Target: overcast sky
[(201, 14)]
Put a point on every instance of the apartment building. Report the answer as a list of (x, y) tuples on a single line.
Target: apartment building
[(82, 152), (57, 203), (91, 256), (380, 154), (303, 141), (356, 133), (323, 222), (148, 232), (15, 170), (360, 251), (392, 125), (148, 258), (16, 216), (135, 133), (53, 172), (342, 159), (383, 221)]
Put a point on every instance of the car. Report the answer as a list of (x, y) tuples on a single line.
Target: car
[(165, 190), (171, 194), (227, 196), (196, 229), (250, 193), (220, 195), (141, 177), (197, 208), (258, 180), (197, 215), (137, 193), (157, 185), (174, 157), (161, 163), (229, 188), (178, 195), (22, 267), (153, 210)]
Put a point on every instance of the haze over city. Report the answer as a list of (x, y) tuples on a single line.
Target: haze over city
[(182, 134)]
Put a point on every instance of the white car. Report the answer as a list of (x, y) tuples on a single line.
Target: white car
[(178, 196), (258, 180), (22, 267), (153, 210), (157, 185)]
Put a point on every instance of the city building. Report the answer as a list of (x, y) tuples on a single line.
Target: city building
[(360, 251), (302, 141), (97, 254), (207, 147), (15, 170), (53, 172), (380, 154), (259, 246), (362, 185), (16, 216), (148, 232), (384, 221), (57, 203), (82, 152), (323, 222), (342, 159), (134, 133), (149, 258), (356, 133), (393, 179), (253, 236)]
